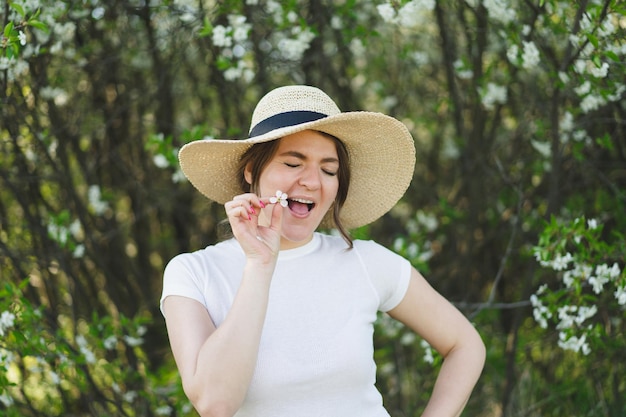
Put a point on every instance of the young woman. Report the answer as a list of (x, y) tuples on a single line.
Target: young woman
[(278, 321)]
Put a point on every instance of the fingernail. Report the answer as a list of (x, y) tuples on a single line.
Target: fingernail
[(249, 218), (251, 210), (262, 204)]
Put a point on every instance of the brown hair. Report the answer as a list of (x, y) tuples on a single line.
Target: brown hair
[(260, 154)]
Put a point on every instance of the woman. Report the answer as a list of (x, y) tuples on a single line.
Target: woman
[(278, 320)]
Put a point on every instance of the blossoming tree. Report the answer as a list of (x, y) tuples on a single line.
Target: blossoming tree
[(515, 212)]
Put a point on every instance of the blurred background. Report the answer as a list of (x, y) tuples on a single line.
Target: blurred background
[(516, 212)]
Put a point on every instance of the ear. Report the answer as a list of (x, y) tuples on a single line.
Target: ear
[(247, 173)]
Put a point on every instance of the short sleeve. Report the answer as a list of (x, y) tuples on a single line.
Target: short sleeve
[(181, 277), (388, 272)]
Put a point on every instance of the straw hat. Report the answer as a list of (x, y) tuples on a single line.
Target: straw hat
[(381, 149)]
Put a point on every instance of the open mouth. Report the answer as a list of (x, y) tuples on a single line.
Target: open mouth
[(300, 206)]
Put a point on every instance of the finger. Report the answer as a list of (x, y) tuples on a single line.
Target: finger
[(239, 208), (276, 222)]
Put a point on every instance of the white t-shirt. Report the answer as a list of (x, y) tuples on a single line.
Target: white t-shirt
[(316, 351)]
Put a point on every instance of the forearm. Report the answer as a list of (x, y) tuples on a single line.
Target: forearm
[(459, 373), (227, 359)]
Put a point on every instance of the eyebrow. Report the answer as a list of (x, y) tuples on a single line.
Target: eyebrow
[(302, 156)]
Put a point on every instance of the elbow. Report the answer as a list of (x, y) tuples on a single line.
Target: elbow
[(210, 404), (479, 350)]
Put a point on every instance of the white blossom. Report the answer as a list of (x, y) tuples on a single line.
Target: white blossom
[(58, 233), (530, 55), (561, 262), (292, 17), (220, 37), (592, 224), (574, 343), (544, 148), (7, 320), (583, 89), (95, 200), (592, 102), (567, 122), (54, 378), (133, 341), (83, 346), (110, 342), (75, 228), (129, 396), (51, 93), (6, 399), (79, 251), (512, 54), (462, 71), (500, 10), (336, 23), (164, 410), (494, 94), (620, 295), (293, 49), (429, 221), (601, 72), (160, 161), (541, 313), (387, 12), (412, 13), (22, 38), (428, 352), (178, 176)]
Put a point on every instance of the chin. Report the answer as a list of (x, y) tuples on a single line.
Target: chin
[(296, 237)]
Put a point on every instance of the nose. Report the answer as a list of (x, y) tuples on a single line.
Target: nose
[(310, 178)]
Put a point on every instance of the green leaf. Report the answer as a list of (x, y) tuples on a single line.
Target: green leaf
[(38, 24), (596, 61), (612, 55), (18, 8), (8, 29), (207, 29)]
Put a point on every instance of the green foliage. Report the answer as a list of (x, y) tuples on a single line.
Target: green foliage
[(517, 113), (47, 363)]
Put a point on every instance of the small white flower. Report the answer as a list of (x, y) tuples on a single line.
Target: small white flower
[(280, 198), (7, 319), (6, 399), (22, 37), (560, 262), (620, 296), (592, 224), (160, 161), (601, 72), (164, 410), (387, 12), (110, 343), (79, 251), (133, 341), (530, 55), (129, 396), (428, 352)]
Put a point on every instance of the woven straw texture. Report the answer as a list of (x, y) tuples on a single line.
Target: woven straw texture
[(381, 149)]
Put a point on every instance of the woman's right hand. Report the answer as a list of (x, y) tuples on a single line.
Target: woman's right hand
[(260, 242)]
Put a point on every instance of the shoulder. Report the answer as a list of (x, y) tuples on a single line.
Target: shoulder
[(226, 251), (373, 248)]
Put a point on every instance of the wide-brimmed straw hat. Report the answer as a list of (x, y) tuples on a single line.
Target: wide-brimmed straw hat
[(381, 151)]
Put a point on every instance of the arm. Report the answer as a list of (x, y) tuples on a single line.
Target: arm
[(217, 364), (436, 320)]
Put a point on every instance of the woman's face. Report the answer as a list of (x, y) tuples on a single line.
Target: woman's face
[(305, 167)]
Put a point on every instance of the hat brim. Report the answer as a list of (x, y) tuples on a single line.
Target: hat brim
[(382, 161)]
